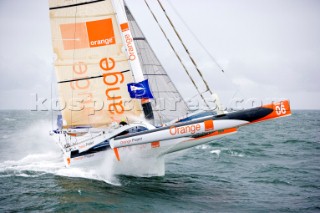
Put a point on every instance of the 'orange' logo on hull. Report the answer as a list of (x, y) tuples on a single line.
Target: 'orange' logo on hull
[(185, 129)]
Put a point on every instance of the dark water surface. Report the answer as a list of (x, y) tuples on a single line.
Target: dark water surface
[(267, 167)]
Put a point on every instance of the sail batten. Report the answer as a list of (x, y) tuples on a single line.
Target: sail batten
[(139, 38), (84, 16), (87, 78), (91, 64), (74, 5)]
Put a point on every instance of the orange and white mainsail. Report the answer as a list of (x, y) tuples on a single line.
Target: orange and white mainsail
[(91, 63)]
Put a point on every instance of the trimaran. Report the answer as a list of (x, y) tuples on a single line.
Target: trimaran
[(111, 84)]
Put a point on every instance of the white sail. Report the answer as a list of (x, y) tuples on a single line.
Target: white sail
[(91, 64)]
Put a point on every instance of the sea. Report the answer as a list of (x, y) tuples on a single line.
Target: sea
[(272, 166)]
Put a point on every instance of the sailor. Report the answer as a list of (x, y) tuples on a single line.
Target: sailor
[(123, 122)]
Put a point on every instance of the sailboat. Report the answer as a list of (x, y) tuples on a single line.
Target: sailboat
[(116, 96)]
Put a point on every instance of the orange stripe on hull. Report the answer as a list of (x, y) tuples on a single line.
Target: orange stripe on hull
[(155, 144), (280, 109), (216, 133)]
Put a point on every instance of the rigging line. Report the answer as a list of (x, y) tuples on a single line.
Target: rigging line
[(214, 95), (176, 53), (196, 38), (226, 74), (185, 47)]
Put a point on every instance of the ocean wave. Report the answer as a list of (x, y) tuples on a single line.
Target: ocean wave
[(34, 162), (295, 141), (217, 152), (273, 181), (235, 153), (36, 165), (203, 146)]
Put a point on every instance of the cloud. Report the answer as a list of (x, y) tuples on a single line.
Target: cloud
[(266, 48)]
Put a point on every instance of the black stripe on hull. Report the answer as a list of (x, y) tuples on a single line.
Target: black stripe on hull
[(249, 115), (76, 153)]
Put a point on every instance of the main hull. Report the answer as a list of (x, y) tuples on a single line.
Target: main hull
[(143, 141)]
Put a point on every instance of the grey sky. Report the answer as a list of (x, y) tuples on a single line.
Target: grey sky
[(269, 49)]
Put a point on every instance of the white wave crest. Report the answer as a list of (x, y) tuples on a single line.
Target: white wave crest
[(236, 154), (203, 146), (217, 152)]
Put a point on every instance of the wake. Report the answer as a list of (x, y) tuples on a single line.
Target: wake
[(36, 154), (35, 165)]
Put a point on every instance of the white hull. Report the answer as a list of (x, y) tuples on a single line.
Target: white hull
[(145, 152), (142, 160)]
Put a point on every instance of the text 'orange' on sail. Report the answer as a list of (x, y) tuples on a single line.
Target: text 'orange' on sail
[(90, 63)]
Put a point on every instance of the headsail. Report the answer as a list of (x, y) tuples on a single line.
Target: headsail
[(169, 103), (91, 64)]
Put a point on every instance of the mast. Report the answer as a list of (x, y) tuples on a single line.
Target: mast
[(131, 51), (168, 102)]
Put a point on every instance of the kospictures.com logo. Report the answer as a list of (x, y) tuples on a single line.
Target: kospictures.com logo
[(87, 34)]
